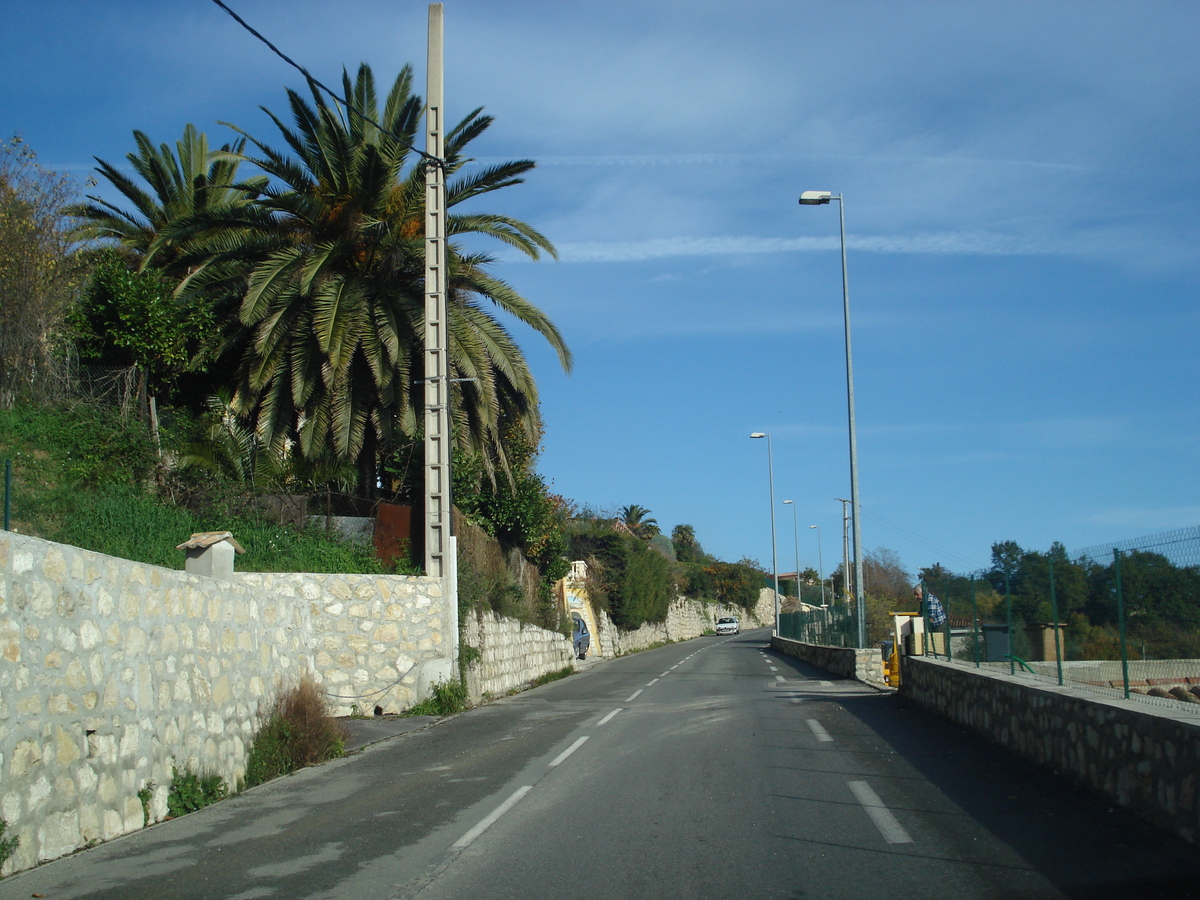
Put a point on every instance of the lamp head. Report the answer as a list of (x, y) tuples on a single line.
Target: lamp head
[(759, 434), (814, 198), (814, 526), (786, 502)]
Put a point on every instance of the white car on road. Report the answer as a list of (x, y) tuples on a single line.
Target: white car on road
[(728, 625)]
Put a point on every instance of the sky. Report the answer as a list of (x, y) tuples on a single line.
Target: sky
[(1021, 189)]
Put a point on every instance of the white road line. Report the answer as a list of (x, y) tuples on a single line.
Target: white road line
[(608, 718), (826, 684), (650, 682), (773, 669), (491, 818), (664, 674), (819, 730), (893, 832), (633, 696), (779, 678), (562, 756)]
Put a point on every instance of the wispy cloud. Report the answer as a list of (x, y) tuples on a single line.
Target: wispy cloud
[(943, 242)]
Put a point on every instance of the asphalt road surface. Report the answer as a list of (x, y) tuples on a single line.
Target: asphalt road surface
[(707, 769)]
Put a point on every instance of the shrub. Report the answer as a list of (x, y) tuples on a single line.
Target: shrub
[(8, 846), (190, 792), (297, 732), (445, 699)]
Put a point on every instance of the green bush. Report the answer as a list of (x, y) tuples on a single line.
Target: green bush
[(8, 846), (445, 699), (190, 792)]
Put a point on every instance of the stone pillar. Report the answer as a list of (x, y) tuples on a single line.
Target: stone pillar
[(1041, 641)]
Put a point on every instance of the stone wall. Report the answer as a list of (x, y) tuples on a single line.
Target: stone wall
[(686, 619), (378, 642), (863, 665), (510, 653), (113, 672), (1143, 757)]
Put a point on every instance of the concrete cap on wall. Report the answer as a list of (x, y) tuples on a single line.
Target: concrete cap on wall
[(205, 539)]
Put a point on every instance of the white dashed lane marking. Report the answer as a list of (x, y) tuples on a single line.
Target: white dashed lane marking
[(893, 832), (558, 760), (819, 730)]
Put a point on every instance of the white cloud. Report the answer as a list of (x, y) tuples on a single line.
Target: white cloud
[(948, 242)]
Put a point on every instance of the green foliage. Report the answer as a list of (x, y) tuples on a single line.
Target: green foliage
[(8, 846), (646, 589), (144, 794), (297, 732), (687, 547), (190, 792), (446, 699), (126, 317), (556, 675), (695, 582), (736, 584), (60, 455)]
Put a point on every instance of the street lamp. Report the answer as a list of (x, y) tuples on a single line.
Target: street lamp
[(796, 531), (820, 565), (816, 198), (771, 484)]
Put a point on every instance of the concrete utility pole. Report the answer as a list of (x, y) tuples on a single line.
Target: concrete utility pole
[(847, 575), (440, 554)]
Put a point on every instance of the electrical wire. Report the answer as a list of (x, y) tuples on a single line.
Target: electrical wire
[(921, 539), (315, 83)]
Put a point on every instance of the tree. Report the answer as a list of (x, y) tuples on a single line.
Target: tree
[(687, 547), (173, 189), (38, 270), (639, 521), (329, 263)]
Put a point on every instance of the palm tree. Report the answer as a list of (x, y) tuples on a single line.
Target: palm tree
[(638, 520), (329, 261), (179, 184)]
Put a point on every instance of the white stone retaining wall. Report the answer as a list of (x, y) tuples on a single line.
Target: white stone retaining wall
[(113, 672), (378, 642), (510, 653), (686, 619)]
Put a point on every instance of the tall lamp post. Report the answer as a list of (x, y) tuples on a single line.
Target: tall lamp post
[(771, 484), (816, 198), (796, 531), (820, 565)]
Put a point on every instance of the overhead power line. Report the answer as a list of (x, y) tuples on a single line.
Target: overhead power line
[(345, 101)]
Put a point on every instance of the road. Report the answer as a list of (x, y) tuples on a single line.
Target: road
[(709, 769)]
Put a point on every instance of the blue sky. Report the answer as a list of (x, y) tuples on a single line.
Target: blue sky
[(1021, 191)]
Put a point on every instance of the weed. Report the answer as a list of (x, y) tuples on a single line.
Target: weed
[(144, 795), (446, 699), (298, 732), (553, 676), (8, 846), (190, 792)]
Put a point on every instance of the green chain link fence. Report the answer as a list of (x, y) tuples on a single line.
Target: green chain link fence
[(1121, 619)]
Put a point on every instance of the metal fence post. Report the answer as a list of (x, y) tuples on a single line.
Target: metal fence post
[(1012, 666), (7, 492), (1054, 609), (1121, 621), (976, 630)]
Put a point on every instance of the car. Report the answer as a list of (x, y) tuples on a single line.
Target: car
[(729, 625), (581, 638)]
